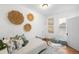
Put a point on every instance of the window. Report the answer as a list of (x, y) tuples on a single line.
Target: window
[(62, 25)]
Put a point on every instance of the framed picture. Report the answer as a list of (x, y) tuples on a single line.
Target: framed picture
[(50, 25)]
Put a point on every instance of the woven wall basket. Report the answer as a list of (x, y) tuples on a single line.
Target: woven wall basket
[(30, 17), (27, 27), (15, 17)]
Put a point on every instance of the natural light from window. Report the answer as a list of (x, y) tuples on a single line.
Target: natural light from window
[(62, 20)]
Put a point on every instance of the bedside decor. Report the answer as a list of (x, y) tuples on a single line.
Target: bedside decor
[(15, 17), (27, 27), (30, 17)]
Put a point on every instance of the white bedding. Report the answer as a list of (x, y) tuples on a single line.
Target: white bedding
[(31, 47), (36, 45)]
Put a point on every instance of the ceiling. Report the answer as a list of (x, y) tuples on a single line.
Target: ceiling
[(54, 8)]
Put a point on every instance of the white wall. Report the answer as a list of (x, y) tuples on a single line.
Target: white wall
[(73, 32), (67, 14), (8, 29)]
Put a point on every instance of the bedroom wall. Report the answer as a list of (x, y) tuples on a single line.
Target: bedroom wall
[(73, 32), (67, 14), (8, 29)]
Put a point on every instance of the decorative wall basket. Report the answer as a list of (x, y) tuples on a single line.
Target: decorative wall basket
[(15, 17), (27, 27), (30, 17)]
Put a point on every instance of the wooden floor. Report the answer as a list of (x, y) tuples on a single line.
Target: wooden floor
[(69, 50)]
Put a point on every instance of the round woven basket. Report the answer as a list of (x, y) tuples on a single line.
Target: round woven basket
[(30, 17), (27, 27), (15, 17)]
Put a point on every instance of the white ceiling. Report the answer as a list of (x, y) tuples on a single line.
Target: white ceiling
[(54, 8)]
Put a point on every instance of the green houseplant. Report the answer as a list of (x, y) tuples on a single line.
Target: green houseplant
[(2, 45)]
